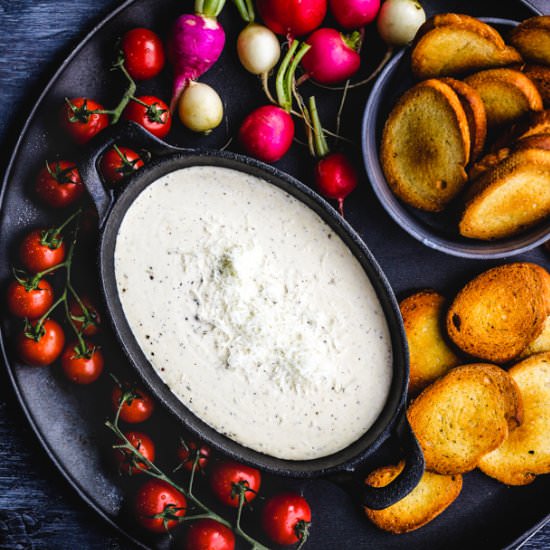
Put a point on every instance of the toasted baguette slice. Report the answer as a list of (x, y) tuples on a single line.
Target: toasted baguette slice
[(541, 344), (507, 94), (475, 113), (432, 496), (526, 452), (453, 50), (488, 161), (545, 282), (532, 39), (497, 314), (508, 198), (463, 416), (535, 123), (460, 20), (425, 146), (430, 355), (540, 75)]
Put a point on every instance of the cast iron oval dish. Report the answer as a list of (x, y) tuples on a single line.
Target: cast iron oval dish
[(436, 230)]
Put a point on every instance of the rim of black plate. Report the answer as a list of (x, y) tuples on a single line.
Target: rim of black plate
[(74, 482)]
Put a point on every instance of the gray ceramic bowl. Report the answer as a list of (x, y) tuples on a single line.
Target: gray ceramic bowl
[(436, 230)]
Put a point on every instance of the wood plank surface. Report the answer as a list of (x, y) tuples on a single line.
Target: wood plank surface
[(38, 510)]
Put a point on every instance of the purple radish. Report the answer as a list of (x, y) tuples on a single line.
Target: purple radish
[(195, 44), (333, 56)]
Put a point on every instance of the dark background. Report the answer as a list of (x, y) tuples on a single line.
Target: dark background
[(38, 509)]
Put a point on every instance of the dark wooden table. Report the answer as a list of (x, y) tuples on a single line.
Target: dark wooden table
[(38, 509)]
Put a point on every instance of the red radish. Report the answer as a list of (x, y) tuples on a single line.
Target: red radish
[(333, 56), (196, 42), (267, 133), (336, 178), (335, 175), (354, 14), (292, 17)]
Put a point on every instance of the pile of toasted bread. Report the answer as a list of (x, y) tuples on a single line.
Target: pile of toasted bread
[(466, 132), (480, 371)]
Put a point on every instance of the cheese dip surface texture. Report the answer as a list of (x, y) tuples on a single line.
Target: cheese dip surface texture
[(254, 312)]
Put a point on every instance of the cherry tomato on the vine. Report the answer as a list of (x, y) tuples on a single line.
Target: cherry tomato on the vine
[(208, 534), (87, 324), (41, 249), (127, 462), (286, 518), (143, 53), (40, 348), (138, 408), (156, 497), (82, 367), (116, 164), (29, 301), (80, 119), (187, 453), (58, 184), (151, 113), (227, 476)]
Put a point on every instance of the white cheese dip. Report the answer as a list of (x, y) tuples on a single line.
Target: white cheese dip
[(254, 312)]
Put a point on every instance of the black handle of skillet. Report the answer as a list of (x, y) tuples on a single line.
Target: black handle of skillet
[(378, 498), (126, 133)]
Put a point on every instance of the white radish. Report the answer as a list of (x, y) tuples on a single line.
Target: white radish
[(258, 49), (200, 107), (399, 20)]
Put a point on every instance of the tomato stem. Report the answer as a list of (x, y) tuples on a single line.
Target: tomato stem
[(116, 113)]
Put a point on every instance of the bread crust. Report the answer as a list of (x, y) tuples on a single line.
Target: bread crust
[(526, 453), (509, 197), (425, 146), (507, 94), (532, 39), (432, 496), (540, 75), (497, 314), (463, 416), (475, 113), (430, 355), (454, 50)]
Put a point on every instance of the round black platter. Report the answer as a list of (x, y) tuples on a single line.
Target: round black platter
[(68, 420)]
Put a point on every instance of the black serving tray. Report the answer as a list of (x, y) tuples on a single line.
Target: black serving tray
[(68, 420)]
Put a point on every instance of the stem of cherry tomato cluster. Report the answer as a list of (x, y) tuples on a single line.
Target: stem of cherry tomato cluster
[(68, 289), (129, 95), (152, 470)]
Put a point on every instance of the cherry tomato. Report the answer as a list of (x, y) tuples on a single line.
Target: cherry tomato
[(137, 409), (151, 113), (29, 301), (128, 463), (158, 497), (187, 453), (80, 121), (226, 476), (87, 324), (143, 53), (58, 184), (82, 367), (43, 347), (208, 534), (41, 249), (286, 518), (116, 165)]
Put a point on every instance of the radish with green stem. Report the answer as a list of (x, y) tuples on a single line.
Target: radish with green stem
[(195, 44), (292, 18), (267, 132), (335, 175), (333, 56)]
